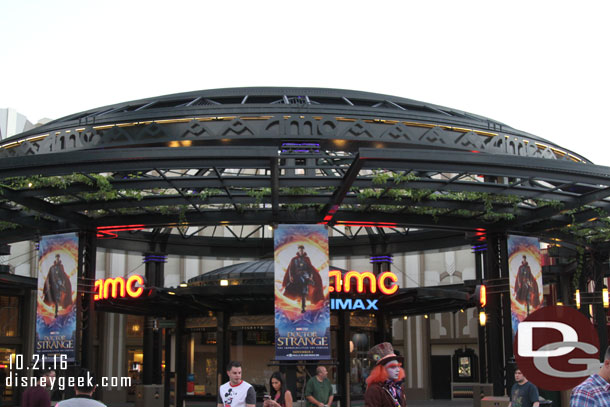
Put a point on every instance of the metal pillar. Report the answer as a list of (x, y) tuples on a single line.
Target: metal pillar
[(223, 346), (478, 258), (381, 264), (343, 355), (86, 272), (598, 309), (181, 354), (153, 352), (565, 294), (168, 367), (509, 359), (494, 321)]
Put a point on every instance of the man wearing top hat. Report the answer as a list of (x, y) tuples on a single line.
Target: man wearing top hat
[(384, 384)]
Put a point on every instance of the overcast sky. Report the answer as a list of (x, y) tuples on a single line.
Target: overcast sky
[(538, 66)]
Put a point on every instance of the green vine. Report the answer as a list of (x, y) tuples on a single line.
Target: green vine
[(298, 191), (8, 225), (580, 261), (258, 194), (208, 192)]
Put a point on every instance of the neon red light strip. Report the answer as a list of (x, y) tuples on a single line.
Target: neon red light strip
[(120, 226), (367, 223)]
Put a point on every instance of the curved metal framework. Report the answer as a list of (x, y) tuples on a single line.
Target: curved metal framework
[(171, 172)]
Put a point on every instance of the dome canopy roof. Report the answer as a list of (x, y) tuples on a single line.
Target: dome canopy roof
[(262, 271), (202, 173), (315, 110)]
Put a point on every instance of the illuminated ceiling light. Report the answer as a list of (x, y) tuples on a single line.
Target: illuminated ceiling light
[(482, 318), (29, 185), (462, 310), (578, 299), (605, 297), (224, 283), (405, 317), (171, 293), (183, 284), (559, 303), (426, 316)]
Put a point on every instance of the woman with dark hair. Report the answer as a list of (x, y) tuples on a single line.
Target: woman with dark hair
[(280, 396)]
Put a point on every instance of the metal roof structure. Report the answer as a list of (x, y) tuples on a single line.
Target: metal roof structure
[(388, 173)]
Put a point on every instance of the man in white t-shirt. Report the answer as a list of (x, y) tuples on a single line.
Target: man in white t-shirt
[(84, 389), (236, 392)]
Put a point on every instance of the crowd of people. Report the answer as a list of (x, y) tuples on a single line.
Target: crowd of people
[(384, 385)]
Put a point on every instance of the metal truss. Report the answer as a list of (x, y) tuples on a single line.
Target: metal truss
[(388, 172)]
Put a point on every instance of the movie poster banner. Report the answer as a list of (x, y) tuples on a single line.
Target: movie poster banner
[(56, 296), (302, 309), (525, 276)]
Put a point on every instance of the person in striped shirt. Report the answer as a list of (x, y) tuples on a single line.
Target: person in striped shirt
[(595, 391)]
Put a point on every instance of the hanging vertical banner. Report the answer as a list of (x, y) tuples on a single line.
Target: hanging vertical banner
[(302, 311), (525, 276), (56, 296)]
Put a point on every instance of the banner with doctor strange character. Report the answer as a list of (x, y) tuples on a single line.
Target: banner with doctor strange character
[(56, 295), (525, 276), (302, 309)]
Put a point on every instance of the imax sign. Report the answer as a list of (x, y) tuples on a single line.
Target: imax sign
[(350, 304)]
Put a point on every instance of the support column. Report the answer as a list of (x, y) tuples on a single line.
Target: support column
[(181, 351), (494, 320), (223, 346), (381, 264), (478, 259), (343, 356), (509, 359), (168, 367), (598, 309), (153, 352), (86, 272), (565, 294)]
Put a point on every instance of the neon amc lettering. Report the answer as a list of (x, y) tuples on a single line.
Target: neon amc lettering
[(118, 288), (344, 283)]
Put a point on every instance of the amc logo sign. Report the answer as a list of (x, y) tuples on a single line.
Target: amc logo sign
[(557, 348), (365, 282), (118, 287), (374, 282)]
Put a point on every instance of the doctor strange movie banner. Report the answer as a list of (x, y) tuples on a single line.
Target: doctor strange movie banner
[(302, 310), (525, 276), (56, 296)]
